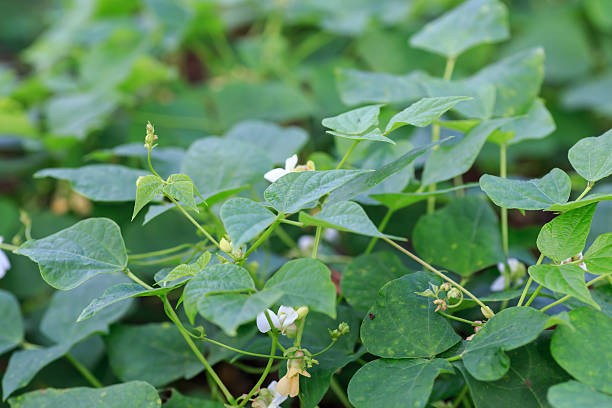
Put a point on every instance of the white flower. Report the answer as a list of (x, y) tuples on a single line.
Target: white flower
[(305, 242), (331, 235), (516, 269), (282, 320), (5, 265), (578, 257), (277, 173), (269, 397)]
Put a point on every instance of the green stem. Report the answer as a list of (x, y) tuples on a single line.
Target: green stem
[(339, 392), (459, 319), (566, 297), (244, 352), (300, 330), (347, 154), (529, 282), (534, 295), (160, 252), (460, 396), (137, 280), (84, 371), (264, 374), (315, 246), (458, 182), (251, 370), (434, 270), (435, 134), (381, 227), (194, 222), (503, 167), (9, 247), (588, 188), (166, 259), (151, 164), (454, 358), (291, 222), (187, 336), (330, 345), (286, 238), (262, 238)]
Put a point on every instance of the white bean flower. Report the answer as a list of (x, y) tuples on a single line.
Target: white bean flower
[(5, 265), (517, 270), (290, 166), (282, 320), (269, 397)]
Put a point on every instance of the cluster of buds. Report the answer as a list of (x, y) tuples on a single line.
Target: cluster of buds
[(226, 246), (150, 138), (343, 328), (444, 296)]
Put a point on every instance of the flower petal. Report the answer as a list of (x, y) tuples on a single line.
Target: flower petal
[(262, 322), (286, 316), (498, 284), (290, 163), (275, 174)]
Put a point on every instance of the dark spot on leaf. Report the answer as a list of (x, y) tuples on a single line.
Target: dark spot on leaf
[(371, 316)]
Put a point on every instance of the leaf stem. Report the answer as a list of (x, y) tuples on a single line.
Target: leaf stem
[(503, 168), (529, 282), (9, 247), (137, 279), (264, 236), (459, 319), (160, 252), (566, 297), (317, 240), (84, 371), (339, 392), (460, 397), (588, 188), (264, 374), (535, 294), (381, 227), (434, 270), (244, 352), (194, 222), (291, 222), (454, 358), (286, 238), (347, 154), (187, 336)]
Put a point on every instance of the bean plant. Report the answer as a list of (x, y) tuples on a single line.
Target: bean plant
[(459, 314)]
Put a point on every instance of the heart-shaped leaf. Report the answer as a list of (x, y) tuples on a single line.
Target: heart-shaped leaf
[(567, 279), (244, 219), (591, 157), (424, 112)]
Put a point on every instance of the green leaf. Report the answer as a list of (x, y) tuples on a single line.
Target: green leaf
[(591, 157), (358, 87), (573, 394), (115, 294), (181, 188), (479, 107), (567, 279), (344, 216), (565, 236), (424, 112), (369, 179), (70, 257), (59, 322), (132, 394), (407, 383), (154, 352), (472, 23), (591, 198), (511, 328), (366, 274), (186, 270), (463, 236), (99, 182), (215, 279), (523, 70), (277, 142), (244, 219), (299, 190), (11, 322), (397, 201), (537, 123), (581, 352), (229, 311), (598, 258), (25, 364), (374, 135), (450, 160), (532, 372), (217, 165), (177, 400), (403, 324), (354, 122), (305, 282), (536, 194), (147, 188)]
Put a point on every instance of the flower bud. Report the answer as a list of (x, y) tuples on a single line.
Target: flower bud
[(487, 312), (225, 245), (454, 293), (302, 312), (290, 331)]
